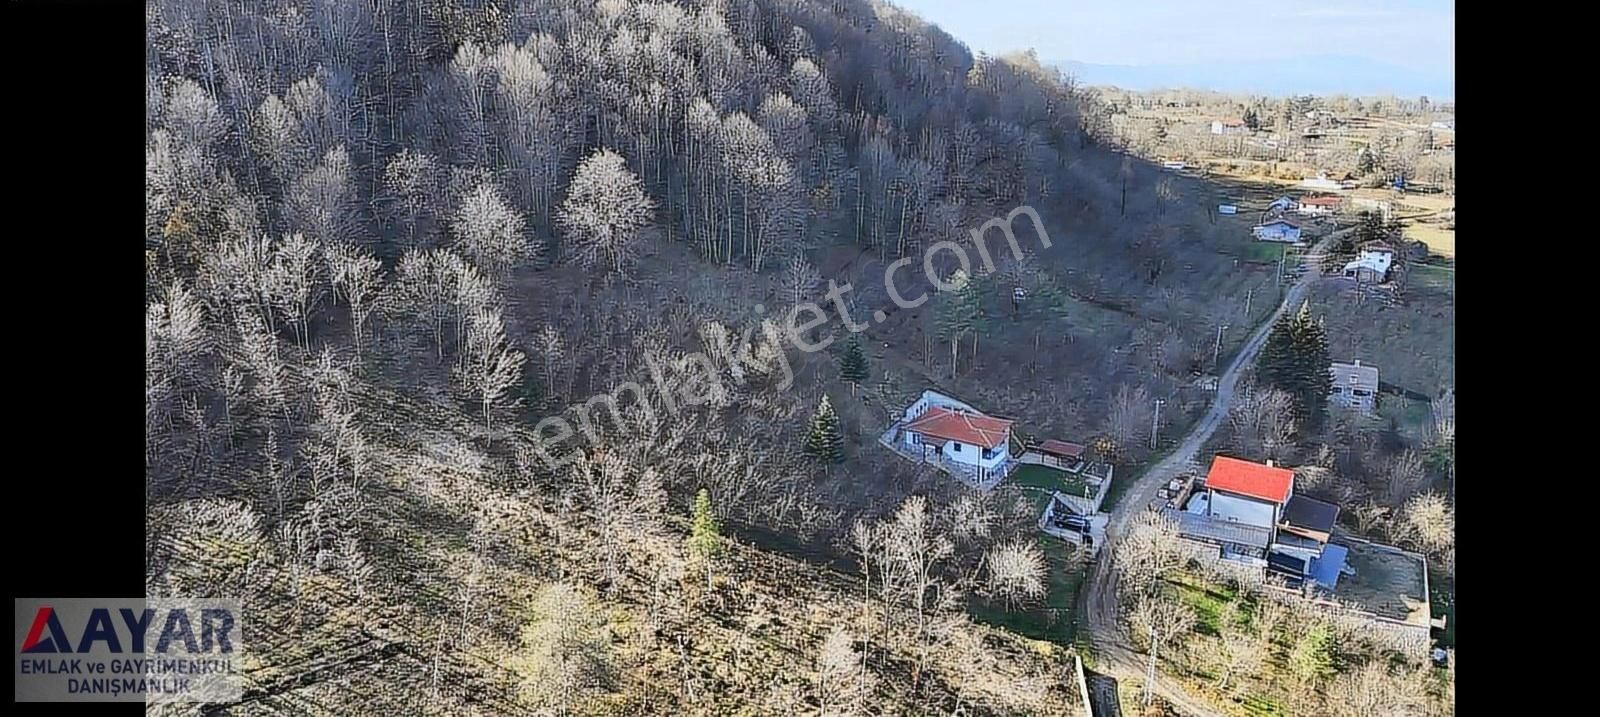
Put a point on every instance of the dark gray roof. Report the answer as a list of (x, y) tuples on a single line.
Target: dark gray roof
[(1204, 527), (1310, 514)]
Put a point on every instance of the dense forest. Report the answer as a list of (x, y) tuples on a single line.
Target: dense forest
[(384, 239)]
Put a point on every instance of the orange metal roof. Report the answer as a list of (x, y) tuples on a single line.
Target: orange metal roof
[(1255, 480), (974, 428)]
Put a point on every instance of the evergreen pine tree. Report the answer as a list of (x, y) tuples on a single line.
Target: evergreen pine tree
[(960, 313), (705, 536), (824, 441), (853, 362), (1295, 359), (1364, 162)]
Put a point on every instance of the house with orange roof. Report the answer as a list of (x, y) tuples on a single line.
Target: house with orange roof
[(955, 437)]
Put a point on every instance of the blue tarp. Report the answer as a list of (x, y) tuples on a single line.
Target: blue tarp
[(1325, 570)]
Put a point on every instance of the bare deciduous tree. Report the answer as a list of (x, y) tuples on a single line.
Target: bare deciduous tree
[(491, 233), (1430, 522), (1261, 420), (1017, 571), (1150, 550), (1160, 620), (489, 367), (294, 283), (354, 275), (604, 210), (841, 677)]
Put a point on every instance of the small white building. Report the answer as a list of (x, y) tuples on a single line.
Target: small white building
[(1321, 183), (941, 430), (1371, 265), (1319, 206), (1229, 127), (1278, 230), (1354, 386)]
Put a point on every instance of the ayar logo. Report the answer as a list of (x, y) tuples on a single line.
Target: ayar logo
[(151, 650), (36, 641), (127, 632)]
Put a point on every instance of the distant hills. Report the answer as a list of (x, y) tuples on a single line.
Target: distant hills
[(1317, 75)]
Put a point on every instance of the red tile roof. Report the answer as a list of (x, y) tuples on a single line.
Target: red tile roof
[(1322, 201), (974, 428), (1061, 448), (1231, 475)]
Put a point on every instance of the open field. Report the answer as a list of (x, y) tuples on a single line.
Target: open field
[(1440, 240)]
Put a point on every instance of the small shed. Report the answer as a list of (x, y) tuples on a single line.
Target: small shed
[(1061, 454)]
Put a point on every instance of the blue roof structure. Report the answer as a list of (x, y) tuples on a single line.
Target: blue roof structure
[(1325, 570)]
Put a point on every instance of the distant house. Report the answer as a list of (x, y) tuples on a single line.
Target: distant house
[(1371, 265), (1321, 183), (1354, 386), (1281, 204), (1319, 206), (1229, 126), (1173, 165), (1278, 230), (954, 437), (1441, 124)]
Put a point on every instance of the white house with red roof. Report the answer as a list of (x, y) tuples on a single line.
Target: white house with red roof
[(956, 437), (1250, 493), (1247, 516), (1320, 206)]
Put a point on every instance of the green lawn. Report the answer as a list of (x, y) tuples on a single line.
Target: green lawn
[(1054, 620), (1260, 252), (1208, 600), (1051, 479), (1433, 276)]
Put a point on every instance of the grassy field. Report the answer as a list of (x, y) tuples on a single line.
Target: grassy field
[(1050, 479), (1440, 240), (1054, 621)]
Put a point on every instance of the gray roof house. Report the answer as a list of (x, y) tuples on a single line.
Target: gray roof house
[(1354, 385)]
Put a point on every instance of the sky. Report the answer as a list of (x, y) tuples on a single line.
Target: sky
[(1415, 34)]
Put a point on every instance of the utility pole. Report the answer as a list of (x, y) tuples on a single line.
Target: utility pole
[(1216, 353), (1155, 424)]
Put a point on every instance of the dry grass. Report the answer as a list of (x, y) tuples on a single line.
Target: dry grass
[(1440, 240)]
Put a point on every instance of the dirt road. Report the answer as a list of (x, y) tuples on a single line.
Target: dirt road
[(1115, 655)]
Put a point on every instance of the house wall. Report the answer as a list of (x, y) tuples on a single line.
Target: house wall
[(1243, 510), (969, 454), (1277, 233), (927, 401), (1345, 396), (973, 455)]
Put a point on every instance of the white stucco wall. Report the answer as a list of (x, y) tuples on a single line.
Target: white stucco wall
[(1243, 510)]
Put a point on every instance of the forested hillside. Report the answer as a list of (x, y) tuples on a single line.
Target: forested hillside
[(385, 239)]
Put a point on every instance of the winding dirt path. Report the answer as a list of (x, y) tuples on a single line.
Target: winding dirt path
[(1098, 604)]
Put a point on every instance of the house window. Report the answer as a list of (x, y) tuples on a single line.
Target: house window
[(957, 448)]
